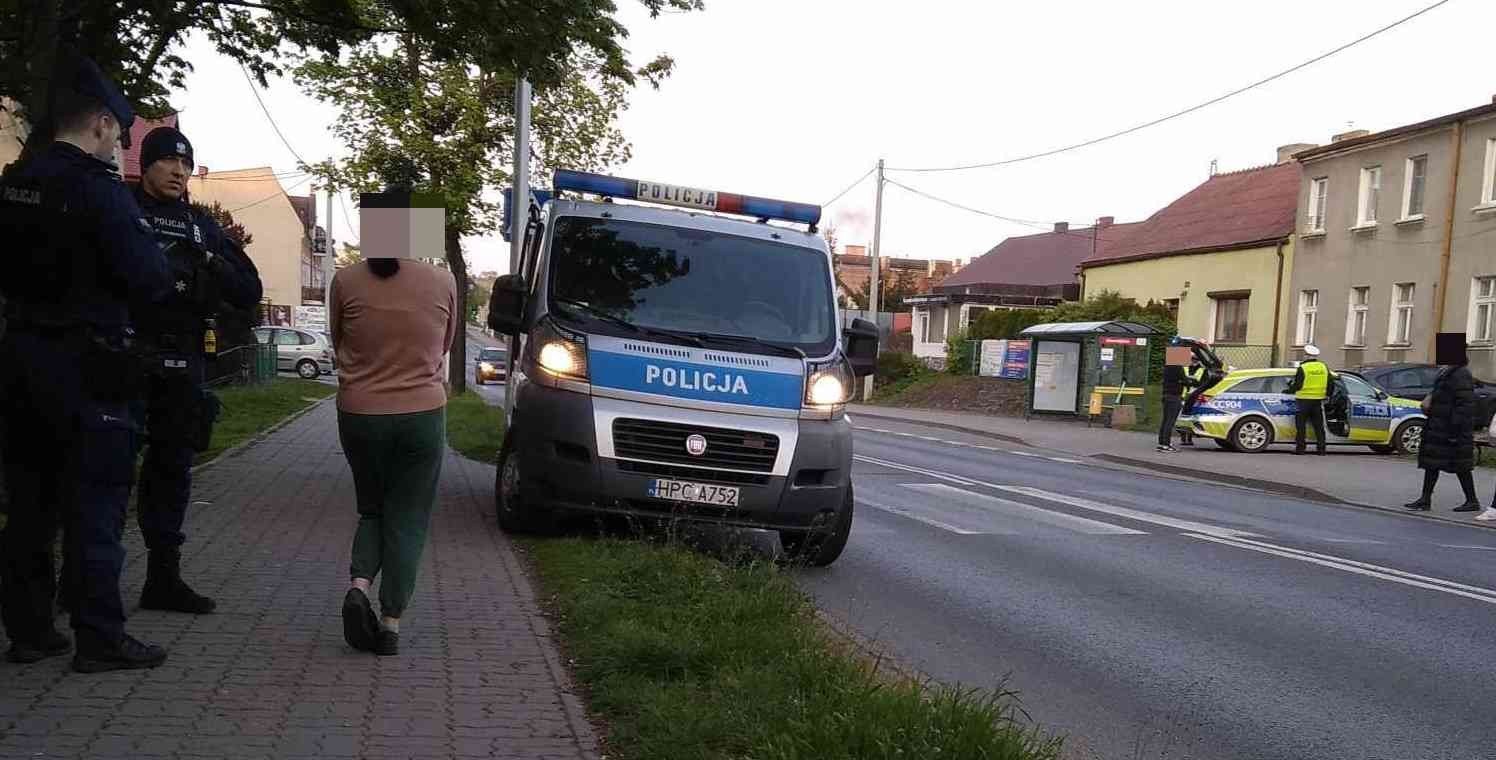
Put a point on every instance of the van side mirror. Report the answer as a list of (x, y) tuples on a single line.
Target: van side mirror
[(862, 347), (506, 305)]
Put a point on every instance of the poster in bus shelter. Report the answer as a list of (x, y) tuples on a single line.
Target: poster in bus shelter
[(1016, 360)]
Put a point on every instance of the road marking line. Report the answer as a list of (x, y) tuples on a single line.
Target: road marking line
[(954, 443), (1026, 454), (921, 518), (1074, 501), (1359, 568), (1066, 461), (1007, 507), (915, 470), (1131, 514), (1351, 541), (1469, 546), (1369, 566)]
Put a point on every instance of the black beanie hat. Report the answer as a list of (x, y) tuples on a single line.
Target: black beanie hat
[(164, 142)]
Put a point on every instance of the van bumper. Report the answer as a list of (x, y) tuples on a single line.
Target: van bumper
[(556, 437)]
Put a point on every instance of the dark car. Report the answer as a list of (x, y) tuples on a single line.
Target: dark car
[(492, 363), (1416, 381)]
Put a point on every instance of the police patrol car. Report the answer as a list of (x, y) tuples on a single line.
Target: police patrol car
[(673, 361), (1249, 410)]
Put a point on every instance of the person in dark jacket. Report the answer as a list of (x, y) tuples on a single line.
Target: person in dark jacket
[(1449, 434), (1175, 381)]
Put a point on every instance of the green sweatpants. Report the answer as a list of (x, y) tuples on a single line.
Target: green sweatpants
[(396, 461)]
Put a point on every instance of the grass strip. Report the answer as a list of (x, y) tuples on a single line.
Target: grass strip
[(474, 428), (685, 657), (249, 410)]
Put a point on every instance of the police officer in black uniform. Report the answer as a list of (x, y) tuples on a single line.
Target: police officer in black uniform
[(78, 250), (179, 336)]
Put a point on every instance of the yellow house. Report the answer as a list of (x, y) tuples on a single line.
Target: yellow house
[(292, 274), (1220, 258)]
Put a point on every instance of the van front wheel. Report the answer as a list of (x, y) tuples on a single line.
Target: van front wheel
[(514, 514), (820, 548)]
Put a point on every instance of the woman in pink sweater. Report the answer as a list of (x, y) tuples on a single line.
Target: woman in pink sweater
[(392, 322)]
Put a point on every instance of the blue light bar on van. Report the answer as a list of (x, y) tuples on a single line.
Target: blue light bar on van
[(687, 197)]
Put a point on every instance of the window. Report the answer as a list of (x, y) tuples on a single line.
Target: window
[(1371, 192), (1172, 304), (1488, 196), (1355, 386), (287, 338), (1413, 186), (1308, 313), (1231, 319), (1400, 332), (1355, 321), (1482, 309), (1319, 192), (307, 339), (262, 336), (1269, 384)]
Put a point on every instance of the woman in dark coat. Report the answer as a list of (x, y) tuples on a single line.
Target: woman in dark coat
[(1449, 436)]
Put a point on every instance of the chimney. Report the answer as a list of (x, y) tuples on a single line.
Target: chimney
[(854, 250), (202, 171), (1285, 152), (1351, 135), (1061, 226), (1106, 221)]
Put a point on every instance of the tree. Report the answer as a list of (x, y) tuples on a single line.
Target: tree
[(893, 288), (435, 114), (137, 42), (231, 229), (350, 255)]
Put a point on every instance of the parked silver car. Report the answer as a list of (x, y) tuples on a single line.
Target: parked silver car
[(309, 354)]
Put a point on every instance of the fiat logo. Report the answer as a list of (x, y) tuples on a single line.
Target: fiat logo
[(695, 444)]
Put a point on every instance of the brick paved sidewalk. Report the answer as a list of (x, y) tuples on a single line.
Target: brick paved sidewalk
[(269, 676)]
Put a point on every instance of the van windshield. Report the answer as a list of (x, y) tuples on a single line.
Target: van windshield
[(690, 281)]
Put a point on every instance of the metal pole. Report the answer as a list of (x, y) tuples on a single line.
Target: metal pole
[(327, 259), (519, 214), (874, 277)]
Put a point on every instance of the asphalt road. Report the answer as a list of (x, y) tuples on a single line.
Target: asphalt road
[(1146, 617)]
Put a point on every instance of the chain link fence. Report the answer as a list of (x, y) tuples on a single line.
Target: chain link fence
[(1246, 357)]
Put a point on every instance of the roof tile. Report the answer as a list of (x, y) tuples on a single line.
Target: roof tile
[(1045, 259)]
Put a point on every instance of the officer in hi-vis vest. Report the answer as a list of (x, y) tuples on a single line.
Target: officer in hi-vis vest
[(1310, 388)]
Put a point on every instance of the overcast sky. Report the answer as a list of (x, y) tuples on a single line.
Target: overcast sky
[(795, 99)]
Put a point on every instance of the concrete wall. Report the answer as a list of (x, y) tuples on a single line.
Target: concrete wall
[(1397, 250), (1193, 278)]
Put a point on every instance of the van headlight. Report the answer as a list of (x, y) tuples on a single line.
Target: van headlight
[(560, 352), (829, 383)]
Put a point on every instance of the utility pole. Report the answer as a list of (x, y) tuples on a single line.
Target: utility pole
[(519, 215), (874, 276), (327, 258)]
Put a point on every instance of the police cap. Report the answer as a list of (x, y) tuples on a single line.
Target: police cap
[(81, 75), (164, 142)]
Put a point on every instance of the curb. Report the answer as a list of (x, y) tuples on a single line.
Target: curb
[(1265, 486), (259, 437)]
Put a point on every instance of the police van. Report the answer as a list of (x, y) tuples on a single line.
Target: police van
[(672, 361)]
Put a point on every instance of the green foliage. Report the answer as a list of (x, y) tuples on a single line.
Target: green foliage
[(231, 229), (894, 366), (685, 657), (475, 429), (960, 354), (248, 410), (1006, 323)]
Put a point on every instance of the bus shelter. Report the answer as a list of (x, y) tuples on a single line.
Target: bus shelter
[(1075, 363)]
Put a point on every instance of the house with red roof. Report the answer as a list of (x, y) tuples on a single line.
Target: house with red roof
[(1220, 257), (1026, 272)]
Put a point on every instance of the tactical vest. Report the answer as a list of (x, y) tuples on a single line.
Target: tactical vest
[(50, 272), (191, 298)]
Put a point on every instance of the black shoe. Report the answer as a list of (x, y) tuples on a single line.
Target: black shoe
[(1418, 506), (387, 643), (165, 589), (51, 644), (359, 623), (127, 654), (1469, 506)]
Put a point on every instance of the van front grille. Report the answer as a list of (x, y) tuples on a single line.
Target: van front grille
[(666, 442)]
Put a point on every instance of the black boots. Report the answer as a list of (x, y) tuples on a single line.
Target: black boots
[(49, 644), (125, 654), (165, 589)]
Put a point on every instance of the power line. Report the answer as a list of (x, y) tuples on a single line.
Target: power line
[(271, 119), (1184, 112), (859, 180), (348, 219), (283, 192), (1013, 220)]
